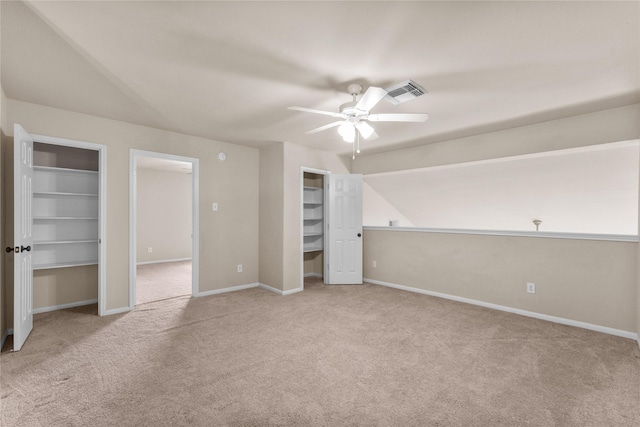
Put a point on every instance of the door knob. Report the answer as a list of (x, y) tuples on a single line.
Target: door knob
[(18, 249), (359, 234)]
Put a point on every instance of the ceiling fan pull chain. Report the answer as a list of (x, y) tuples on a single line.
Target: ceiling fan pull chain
[(353, 151)]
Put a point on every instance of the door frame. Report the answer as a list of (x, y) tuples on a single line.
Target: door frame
[(195, 225), (102, 207), (304, 169)]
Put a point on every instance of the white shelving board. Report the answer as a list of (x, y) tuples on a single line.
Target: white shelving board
[(313, 223), (65, 217)]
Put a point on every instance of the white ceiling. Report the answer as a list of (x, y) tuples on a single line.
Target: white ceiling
[(228, 70)]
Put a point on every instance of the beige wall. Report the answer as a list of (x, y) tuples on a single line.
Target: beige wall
[(271, 215), (618, 124), (164, 215), (583, 280), (314, 263), (227, 237), (61, 286)]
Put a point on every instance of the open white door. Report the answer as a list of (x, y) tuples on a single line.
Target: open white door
[(344, 230), (23, 239)]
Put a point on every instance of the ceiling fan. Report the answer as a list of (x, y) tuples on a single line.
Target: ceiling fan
[(354, 115)]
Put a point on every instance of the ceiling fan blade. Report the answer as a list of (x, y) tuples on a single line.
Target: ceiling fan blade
[(371, 97), (398, 117), (372, 136), (311, 110), (366, 130), (325, 127)]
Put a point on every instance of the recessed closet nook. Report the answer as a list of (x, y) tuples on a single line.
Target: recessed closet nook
[(65, 226), (313, 224)]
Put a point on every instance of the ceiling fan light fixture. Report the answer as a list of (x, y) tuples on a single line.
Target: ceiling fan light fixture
[(347, 132)]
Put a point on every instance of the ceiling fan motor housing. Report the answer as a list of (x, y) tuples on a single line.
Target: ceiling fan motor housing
[(348, 109)]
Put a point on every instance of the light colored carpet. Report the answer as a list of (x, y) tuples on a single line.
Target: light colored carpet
[(329, 356), (164, 280)]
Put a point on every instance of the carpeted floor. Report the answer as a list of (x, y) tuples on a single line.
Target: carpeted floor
[(329, 356), (164, 280)]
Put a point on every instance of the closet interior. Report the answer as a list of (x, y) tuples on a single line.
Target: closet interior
[(66, 201), (313, 224)]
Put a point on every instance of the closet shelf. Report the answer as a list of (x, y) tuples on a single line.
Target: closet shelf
[(62, 242), (63, 265), (59, 194), (55, 169), (65, 218)]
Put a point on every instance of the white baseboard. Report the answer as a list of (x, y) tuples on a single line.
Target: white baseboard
[(561, 320), (278, 291), (313, 275), (163, 261), (117, 311), (249, 286), (63, 306), (231, 289), (270, 289), (5, 334), (293, 291)]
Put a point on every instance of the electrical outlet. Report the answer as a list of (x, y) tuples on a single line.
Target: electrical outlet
[(531, 288), (214, 207), (374, 264), (149, 249), (239, 268)]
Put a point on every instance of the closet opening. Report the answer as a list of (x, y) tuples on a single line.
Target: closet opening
[(66, 213), (313, 227)]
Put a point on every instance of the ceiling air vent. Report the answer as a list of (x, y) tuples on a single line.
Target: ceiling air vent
[(403, 92)]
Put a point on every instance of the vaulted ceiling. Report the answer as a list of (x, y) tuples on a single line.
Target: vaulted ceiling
[(229, 70)]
